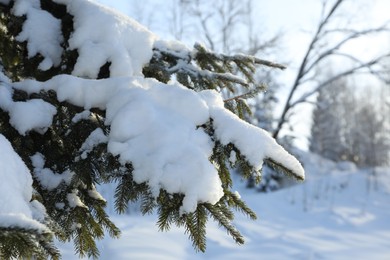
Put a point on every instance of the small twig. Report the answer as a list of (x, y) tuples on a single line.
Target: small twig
[(235, 98), (270, 64), (243, 96)]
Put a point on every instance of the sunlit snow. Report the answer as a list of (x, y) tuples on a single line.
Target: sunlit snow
[(154, 126), (16, 210)]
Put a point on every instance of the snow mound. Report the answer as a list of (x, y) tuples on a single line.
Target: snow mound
[(34, 114), (46, 42), (154, 126), (113, 38), (16, 210)]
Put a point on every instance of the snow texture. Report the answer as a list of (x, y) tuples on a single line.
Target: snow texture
[(47, 42), (46, 177), (16, 192), (81, 116), (154, 126), (113, 37), (34, 114), (74, 200), (96, 137), (93, 193), (254, 143)]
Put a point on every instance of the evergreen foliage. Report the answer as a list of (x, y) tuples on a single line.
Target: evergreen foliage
[(329, 121), (20, 243), (85, 220)]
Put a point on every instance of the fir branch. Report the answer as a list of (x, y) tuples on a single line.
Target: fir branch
[(224, 221), (17, 243), (148, 203), (270, 64), (238, 204), (240, 58), (196, 227), (242, 109), (130, 191), (245, 169), (250, 94), (168, 210), (220, 158), (123, 193), (197, 69), (85, 232), (204, 68), (281, 168)]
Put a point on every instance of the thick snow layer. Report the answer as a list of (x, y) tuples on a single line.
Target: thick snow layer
[(100, 35), (3, 78), (34, 114), (87, 93), (16, 191), (112, 37), (162, 141), (14, 177), (47, 42), (153, 126), (253, 142), (5, 96)]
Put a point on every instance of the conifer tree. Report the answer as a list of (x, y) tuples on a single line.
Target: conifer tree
[(348, 127), (328, 122), (74, 67)]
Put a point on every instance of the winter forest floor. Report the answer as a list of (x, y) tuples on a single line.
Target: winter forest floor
[(337, 213)]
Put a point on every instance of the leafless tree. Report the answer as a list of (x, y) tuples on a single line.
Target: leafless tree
[(327, 44), (223, 25)]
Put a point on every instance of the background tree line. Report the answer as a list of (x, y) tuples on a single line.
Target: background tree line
[(352, 126)]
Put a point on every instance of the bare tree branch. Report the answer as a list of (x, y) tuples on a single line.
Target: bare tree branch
[(338, 76), (318, 52), (301, 70), (332, 50)]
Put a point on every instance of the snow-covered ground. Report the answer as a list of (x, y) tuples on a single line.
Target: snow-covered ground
[(338, 213)]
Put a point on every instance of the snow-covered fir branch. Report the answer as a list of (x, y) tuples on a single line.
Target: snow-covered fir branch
[(157, 125)]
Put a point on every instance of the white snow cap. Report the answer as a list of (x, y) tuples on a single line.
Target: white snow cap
[(34, 114), (47, 42), (113, 38), (16, 191), (153, 126)]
